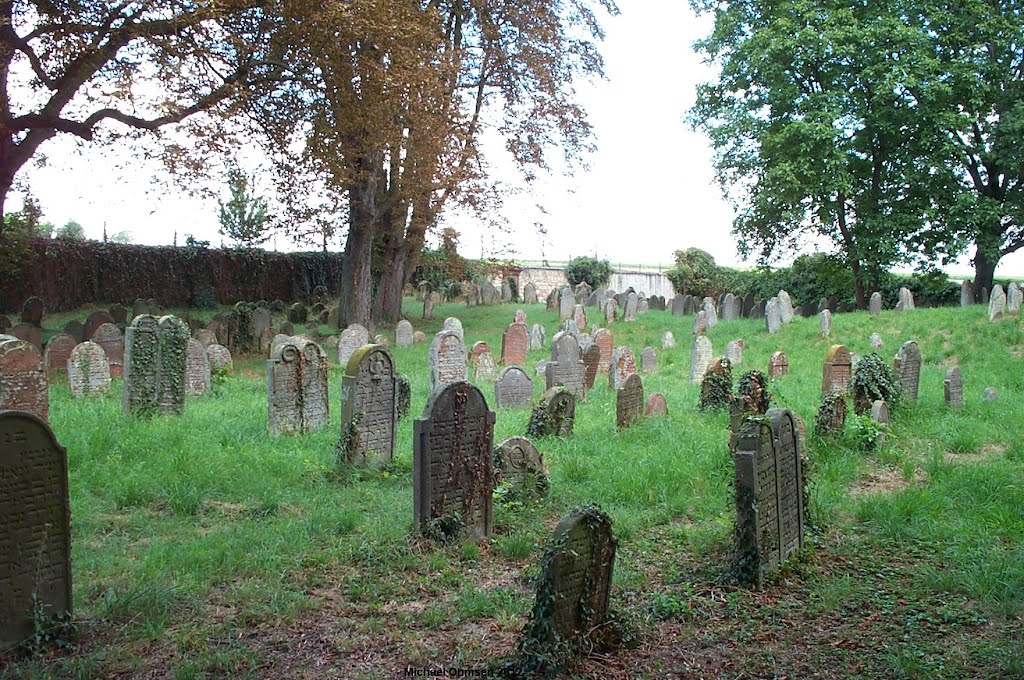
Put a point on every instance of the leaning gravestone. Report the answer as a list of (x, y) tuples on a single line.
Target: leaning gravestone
[(668, 340), (566, 365), (403, 334), (591, 362), (953, 388), (700, 358), (519, 467), (629, 403), (573, 589), (907, 366), (58, 349), (369, 406), (514, 345), (197, 369), (155, 353), (23, 385), (553, 415), (537, 336), (875, 303), (996, 303), (452, 462), (778, 365), (513, 388), (769, 488), (837, 370), (35, 529), (297, 386), (622, 366), (352, 338), (648, 361), (773, 315), (478, 348), (447, 360), (88, 370), (109, 337)]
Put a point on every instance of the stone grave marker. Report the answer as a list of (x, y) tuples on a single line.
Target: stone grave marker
[(58, 349), (747, 309), (990, 394), (489, 295), (656, 405), (447, 360), (119, 313), (785, 306), (648, 361), (907, 366), (604, 340), (519, 317), (622, 366), (734, 352), (537, 336), (428, 308), (700, 322), (825, 323), (220, 331), (668, 340), (220, 358), (88, 370), (778, 365), (591, 362), (297, 397), (996, 303), (519, 466), (155, 353), (643, 306), (831, 416), (629, 312), (530, 293), (553, 301), (514, 345), (403, 334), (966, 293), (453, 462), (769, 488), (478, 348), (553, 415), (880, 415), (486, 368), (875, 303), (875, 340), (206, 337), (418, 337), (74, 328), (369, 406), (454, 324), (629, 403), (35, 528), (677, 305), (566, 303), (197, 369), (711, 313), (513, 389), (579, 315), (700, 358), (351, 339), (109, 337), (773, 315), (23, 385), (32, 311), (266, 338), (566, 365), (906, 299), (953, 388), (30, 334), (837, 370), (729, 307), (610, 307), (1014, 296)]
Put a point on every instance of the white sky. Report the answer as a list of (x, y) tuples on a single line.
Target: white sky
[(649, 190)]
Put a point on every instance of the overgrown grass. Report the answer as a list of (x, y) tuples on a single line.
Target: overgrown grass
[(202, 546)]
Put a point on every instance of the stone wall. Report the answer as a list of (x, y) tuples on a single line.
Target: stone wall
[(548, 278)]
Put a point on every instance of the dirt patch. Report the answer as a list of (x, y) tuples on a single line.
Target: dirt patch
[(950, 362), (884, 480), (982, 455)]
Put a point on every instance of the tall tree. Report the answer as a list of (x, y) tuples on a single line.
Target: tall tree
[(244, 217)]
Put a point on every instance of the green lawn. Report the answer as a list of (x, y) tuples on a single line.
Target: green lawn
[(204, 547)]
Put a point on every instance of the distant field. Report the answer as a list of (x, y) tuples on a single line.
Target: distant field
[(204, 547)]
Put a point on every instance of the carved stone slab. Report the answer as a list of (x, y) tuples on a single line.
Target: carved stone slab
[(369, 405), (88, 370), (23, 385), (700, 358), (629, 403), (837, 370), (447, 359), (513, 388), (953, 388), (296, 386), (518, 464), (907, 366), (514, 345)]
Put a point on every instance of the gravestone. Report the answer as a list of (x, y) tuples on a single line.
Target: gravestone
[(734, 352), (668, 340), (785, 306), (334, 317), (206, 337), (689, 305), (30, 334), (74, 328), (32, 312), (566, 365), (552, 300), (422, 291), (728, 307), (220, 331), (566, 303), (778, 365), (747, 305), (656, 405), (678, 308), (875, 340), (541, 367), (579, 315), (537, 336), (488, 293), (297, 396), (486, 368), (453, 462), (447, 360), (403, 334), (966, 293), (610, 307), (453, 324), (996, 303), (119, 313), (418, 337), (629, 403), (369, 406), (837, 370), (700, 358), (58, 349), (197, 369), (709, 309), (35, 529), (773, 315), (907, 366), (831, 416), (643, 306), (990, 394), (953, 388), (875, 303), (478, 348), (428, 309), (591, 362), (984, 295), (825, 323), (575, 584), (769, 492), (519, 317), (155, 353), (629, 313), (267, 337), (880, 416), (23, 385), (648, 361), (530, 293), (351, 339), (298, 313), (906, 299), (553, 415), (605, 341), (759, 309), (220, 358), (513, 388), (700, 322), (514, 345), (1014, 296), (519, 467), (88, 370), (585, 341), (506, 291), (623, 365)]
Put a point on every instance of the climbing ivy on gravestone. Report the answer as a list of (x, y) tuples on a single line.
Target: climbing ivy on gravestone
[(873, 379)]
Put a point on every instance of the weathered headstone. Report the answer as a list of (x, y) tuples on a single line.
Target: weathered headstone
[(197, 369), (403, 334), (648, 361), (629, 403), (537, 336), (88, 370), (418, 337), (453, 462), (206, 337), (907, 366), (831, 416), (825, 323), (1014, 297), (773, 315), (35, 528), (623, 365), (880, 416), (513, 388), (566, 303), (220, 358), (351, 339), (610, 307), (74, 328), (629, 312), (605, 342), (109, 337), (486, 368), (28, 333), (428, 309), (155, 352), (23, 385), (591, 363), (734, 352), (953, 388), (514, 345), (728, 307), (566, 365), (447, 360), (700, 322), (785, 306), (369, 406), (297, 397), (553, 415), (700, 358), (906, 299), (837, 370), (656, 405), (996, 303), (530, 294), (32, 311), (519, 467), (769, 488), (58, 349), (478, 348), (875, 340), (710, 312), (668, 340), (875, 303), (778, 365), (966, 293), (579, 315), (678, 308), (455, 325)]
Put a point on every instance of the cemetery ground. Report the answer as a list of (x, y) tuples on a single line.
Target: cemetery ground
[(205, 547)]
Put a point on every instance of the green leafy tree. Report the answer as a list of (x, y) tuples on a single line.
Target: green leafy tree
[(595, 272), (121, 237), (244, 217), (696, 273), (71, 231)]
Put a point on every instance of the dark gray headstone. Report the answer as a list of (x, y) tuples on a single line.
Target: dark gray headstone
[(953, 388), (566, 365), (513, 388), (629, 403), (907, 366), (519, 467), (369, 406)]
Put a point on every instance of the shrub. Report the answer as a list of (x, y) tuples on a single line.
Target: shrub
[(595, 272), (873, 379)]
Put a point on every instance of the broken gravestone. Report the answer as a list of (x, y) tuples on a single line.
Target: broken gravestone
[(554, 415)]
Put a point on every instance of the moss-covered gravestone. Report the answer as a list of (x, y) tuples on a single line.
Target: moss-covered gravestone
[(297, 387), (769, 487), (554, 414), (88, 370), (35, 527), (369, 405), (155, 354), (452, 463), (519, 467), (907, 367)]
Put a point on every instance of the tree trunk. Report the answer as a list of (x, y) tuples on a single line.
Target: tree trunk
[(858, 283), (356, 282), (387, 303), (984, 271)]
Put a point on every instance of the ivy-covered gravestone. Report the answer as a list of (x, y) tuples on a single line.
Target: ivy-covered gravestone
[(769, 488), (88, 370), (297, 386), (369, 406), (519, 467), (554, 415)]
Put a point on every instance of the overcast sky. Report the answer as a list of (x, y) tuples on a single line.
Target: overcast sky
[(648, 192)]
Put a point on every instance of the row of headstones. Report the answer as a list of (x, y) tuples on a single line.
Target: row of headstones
[(1005, 304)]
